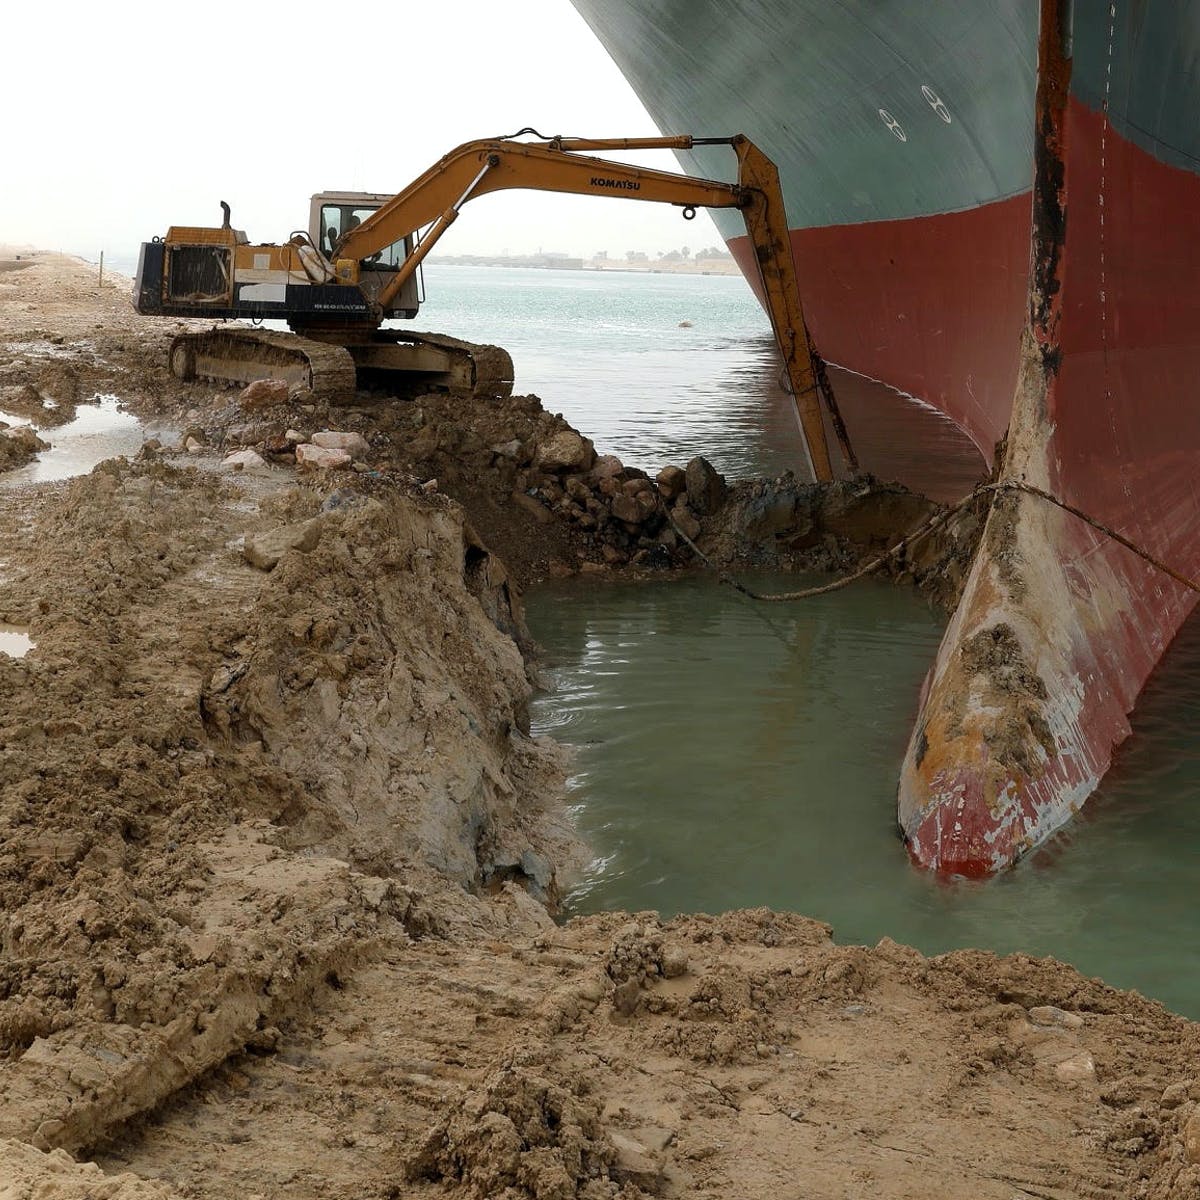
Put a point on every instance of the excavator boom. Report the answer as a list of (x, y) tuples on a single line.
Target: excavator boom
[(432, 202)]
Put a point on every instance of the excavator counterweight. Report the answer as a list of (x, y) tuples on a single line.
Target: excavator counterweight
[(357, 266)]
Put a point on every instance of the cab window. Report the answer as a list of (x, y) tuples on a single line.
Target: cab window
[(338, 219)]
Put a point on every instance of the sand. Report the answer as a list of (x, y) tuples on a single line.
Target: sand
[(279, 861)]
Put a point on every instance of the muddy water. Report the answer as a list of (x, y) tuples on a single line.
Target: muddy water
[(98, 431), (726, 758), (730, 757)]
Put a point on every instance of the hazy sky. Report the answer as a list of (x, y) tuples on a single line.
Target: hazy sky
[(124, 117)]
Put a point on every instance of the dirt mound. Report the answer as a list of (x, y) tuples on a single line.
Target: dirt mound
[(44, 392), (26, 1174), (18, 445), (520, 1135), (221, 787)]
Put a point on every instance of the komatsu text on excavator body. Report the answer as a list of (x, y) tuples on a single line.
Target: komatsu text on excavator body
[(357, 266)]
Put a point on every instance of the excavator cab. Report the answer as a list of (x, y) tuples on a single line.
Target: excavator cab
[(334, 214), (216, 272)]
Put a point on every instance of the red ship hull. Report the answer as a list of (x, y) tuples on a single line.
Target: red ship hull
[(996, 209), (943, 297), (1014, 735), (1060, 625)]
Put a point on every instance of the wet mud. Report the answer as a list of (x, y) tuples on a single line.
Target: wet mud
[(279, 858)]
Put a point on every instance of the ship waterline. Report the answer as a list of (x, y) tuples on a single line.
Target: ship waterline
[(1025, 261)]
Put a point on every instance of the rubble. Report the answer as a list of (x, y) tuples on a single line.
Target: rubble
[(239, 460), (18, 444), (264, 550), (354, 444), (263, 393), (322, 458)]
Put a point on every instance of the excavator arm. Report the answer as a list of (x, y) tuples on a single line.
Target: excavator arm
[(432, 203)]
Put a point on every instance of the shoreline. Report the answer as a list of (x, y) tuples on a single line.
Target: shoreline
[(705, 267), (274, 842)]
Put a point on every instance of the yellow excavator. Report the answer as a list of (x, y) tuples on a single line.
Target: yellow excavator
[(357, 266)]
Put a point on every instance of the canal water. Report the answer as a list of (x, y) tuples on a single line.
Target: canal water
[(658, 368), (724, 757), (729, 756)]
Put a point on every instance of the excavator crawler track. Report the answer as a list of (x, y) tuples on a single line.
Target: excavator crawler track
[(240, 356), (408, 362), (490, 367)]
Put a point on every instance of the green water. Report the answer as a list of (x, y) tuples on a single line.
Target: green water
[(726, 756)]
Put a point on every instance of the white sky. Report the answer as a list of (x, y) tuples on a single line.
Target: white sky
[(121, 117)]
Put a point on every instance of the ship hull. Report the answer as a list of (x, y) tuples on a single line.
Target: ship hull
[(1060, 625), (1034, 276), (943, 297)]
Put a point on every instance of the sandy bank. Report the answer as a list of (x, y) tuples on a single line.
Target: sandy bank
[(274, 845)]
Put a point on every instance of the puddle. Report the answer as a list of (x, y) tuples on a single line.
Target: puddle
[(15, 642), (45, 348), (99, 431)]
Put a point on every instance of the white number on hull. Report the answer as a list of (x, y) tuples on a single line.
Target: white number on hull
[(894, 125), (936, 102)]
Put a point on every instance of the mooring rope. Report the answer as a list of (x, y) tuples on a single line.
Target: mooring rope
[(934, 522)]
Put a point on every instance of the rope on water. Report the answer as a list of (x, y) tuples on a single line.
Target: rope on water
[(934, 522)]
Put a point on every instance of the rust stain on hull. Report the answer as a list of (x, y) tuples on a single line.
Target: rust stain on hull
[(1006, 747), (1060, 625)]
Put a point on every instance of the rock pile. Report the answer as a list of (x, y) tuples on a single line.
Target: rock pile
[(18, 444), (528, 460), (613, 515), (629, 516), (536, 490)]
